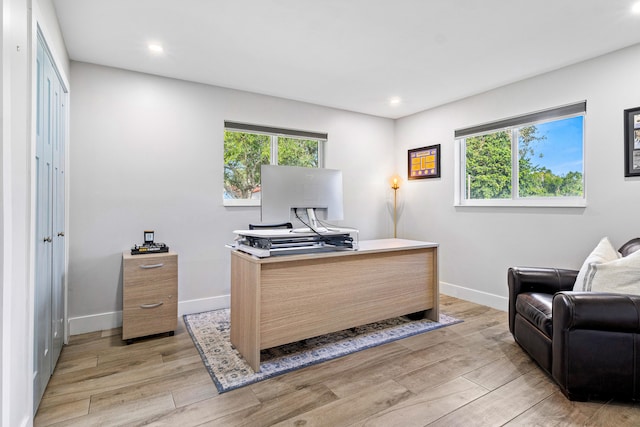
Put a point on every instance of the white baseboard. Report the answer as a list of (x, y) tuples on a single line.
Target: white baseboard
[(479, 297), (95, 322), (203, 304), (104, 321)]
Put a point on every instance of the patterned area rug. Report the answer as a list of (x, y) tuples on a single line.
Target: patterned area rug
[(210, 333)]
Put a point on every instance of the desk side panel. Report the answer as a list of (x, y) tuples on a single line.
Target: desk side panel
[(307, 298), (245, 309), (433, 265)]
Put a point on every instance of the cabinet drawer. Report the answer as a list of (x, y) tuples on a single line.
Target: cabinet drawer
[(151, 268), (144, 294), (143, 319)]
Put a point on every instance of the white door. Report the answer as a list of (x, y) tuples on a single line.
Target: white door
[(58, 255), (49, 244)]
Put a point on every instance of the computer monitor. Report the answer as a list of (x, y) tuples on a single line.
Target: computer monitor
[(316, 193)]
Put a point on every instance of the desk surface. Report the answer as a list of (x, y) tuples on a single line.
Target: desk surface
[(382, 245), (365, 246)]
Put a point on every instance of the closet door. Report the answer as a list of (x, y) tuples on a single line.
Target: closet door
[(58, 219), (49, 242), (44, 226)]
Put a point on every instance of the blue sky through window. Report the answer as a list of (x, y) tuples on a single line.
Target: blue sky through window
[(562, 149)]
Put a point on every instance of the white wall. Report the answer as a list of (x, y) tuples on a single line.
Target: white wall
[(18, 53), (125, 123), (147, 153), (479, 244)]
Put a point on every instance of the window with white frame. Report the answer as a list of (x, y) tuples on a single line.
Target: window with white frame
[(247, 147), (532, 160)]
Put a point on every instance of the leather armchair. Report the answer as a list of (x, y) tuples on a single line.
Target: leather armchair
[(588, 342)]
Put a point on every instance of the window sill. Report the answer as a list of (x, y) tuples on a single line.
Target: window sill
[(577, 202), (240, 202)]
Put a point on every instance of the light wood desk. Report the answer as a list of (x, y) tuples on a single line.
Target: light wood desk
[(283, 299)]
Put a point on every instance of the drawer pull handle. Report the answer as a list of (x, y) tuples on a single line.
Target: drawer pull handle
[(152, 265), (158, 304)]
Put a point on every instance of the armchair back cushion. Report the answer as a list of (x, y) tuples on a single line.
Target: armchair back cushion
[(630, 247)]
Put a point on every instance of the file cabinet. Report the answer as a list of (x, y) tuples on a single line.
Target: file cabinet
[(149, 294)]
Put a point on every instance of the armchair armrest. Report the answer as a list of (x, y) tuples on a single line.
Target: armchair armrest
[(536, 279), (595, 311), (595, 340)]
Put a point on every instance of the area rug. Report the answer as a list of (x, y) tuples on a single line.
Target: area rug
[(210, 333)]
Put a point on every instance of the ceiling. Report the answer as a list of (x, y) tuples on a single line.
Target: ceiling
[(350, 54)]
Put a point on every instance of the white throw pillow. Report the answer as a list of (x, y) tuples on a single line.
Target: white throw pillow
[(621, 276), (603, 252)]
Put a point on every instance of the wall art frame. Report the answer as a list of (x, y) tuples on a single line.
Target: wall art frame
[(424, 162), (632, 142)]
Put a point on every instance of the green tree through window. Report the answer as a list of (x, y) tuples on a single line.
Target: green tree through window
[(297, 152), (246, 152), (488, 166)]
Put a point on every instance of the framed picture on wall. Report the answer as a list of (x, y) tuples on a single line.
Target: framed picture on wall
[(632, 142), (425, 162)]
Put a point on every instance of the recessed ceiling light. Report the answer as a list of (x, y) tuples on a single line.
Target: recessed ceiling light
[(636, 8), (395, 101), (155, 48)]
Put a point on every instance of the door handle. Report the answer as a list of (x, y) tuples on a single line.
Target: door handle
[(61, 234), (47, 240)]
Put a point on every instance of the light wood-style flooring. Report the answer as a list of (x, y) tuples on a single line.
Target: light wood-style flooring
[(469, 374)]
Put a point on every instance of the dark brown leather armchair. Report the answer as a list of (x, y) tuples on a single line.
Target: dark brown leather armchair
[(588, 342)]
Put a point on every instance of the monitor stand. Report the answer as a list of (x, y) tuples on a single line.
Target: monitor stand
[(314, 225)]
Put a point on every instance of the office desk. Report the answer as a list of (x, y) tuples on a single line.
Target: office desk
[(283, 299)]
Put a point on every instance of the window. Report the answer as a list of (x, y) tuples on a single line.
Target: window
[(247, 147), (531, 160)]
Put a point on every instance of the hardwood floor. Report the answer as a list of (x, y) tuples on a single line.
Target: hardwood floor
[(469, 374)]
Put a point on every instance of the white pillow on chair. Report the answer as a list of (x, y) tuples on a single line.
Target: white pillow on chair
[(603, 252), (620, 276)]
